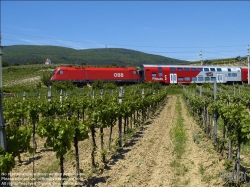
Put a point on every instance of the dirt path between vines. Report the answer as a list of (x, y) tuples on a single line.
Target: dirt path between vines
[(203, 162), (148, 161)]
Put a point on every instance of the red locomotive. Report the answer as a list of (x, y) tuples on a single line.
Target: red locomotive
[(84, 75), (165, 74)]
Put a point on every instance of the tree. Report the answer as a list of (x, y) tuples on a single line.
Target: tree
[(5, 64), (46, 78)]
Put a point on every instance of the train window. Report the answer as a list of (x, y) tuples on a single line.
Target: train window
[(180, 79), (193, 69), (134, 72), (160, 74), (234, 74), (212, 69), (200, 78), (200, 69), (179, 69), (206, 69), (187, 69), (153, 74), (194, 78), (159, 68), (60, 72), (229, 75), (219, 69), (207, 78), (172, 69), (229, 69), (187, 78), (213, 78)]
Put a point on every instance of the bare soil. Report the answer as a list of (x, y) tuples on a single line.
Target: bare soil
[(145, 160)]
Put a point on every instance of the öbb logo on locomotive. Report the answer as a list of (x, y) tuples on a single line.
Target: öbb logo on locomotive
[(118, 75)]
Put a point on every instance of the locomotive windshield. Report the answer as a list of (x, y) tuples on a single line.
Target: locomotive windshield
[(53, 73)]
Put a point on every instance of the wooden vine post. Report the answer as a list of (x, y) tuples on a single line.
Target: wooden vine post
[(215, 115), (120, 119)]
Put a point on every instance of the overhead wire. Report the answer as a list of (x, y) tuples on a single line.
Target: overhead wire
[(79, 41), (144, 46)]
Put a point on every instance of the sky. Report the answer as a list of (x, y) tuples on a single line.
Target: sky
[(186, 30)]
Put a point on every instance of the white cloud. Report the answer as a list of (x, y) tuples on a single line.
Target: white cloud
[(27, 41)]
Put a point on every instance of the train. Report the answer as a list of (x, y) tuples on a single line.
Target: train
[(164, 74)]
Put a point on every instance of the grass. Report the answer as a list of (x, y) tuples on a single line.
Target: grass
[(13, 78), (179, 134), (180, 169), (202, 169), (207, 178), (179, 137), (52, 168), (13, 73)]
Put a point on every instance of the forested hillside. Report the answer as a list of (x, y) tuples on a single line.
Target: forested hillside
[(34, 54)]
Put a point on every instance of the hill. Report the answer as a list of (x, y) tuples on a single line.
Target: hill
[(238, 61), (35, 54)]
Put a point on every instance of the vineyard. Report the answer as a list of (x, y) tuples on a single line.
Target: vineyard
[(223, 114), (129, 136), (64, 122)]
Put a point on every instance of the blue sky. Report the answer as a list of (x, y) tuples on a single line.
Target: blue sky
[(176, 29)]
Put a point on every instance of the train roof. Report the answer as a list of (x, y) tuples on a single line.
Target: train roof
[(188, 66), (95, 67), (197, 66)]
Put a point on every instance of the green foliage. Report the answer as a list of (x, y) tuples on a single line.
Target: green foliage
[(17, 89), (98, 84), (109, 85), (192, 86), (18, 79), (153, 85), (11, 69), (58, 134), (175, 89), (61, 123), (228, 164), (175, 86), (5, 64), (223, 61), (179, 134), (18, 138), (65, 86), (7, 161), (207, 62), (207, 85), (38, 85), (46, 78)]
